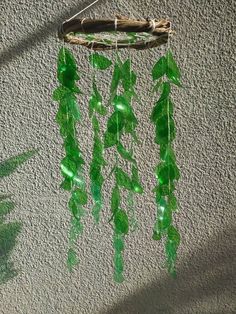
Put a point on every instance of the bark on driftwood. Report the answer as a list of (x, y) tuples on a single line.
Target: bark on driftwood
[(159, 31)]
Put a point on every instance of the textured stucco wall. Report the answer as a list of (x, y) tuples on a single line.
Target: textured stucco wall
[(204, 47)]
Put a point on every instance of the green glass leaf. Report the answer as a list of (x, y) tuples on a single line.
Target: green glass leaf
[(96, 191), (118, 243), (67, 184), (68, 168), (167, 172), (115, 123), (167, 189), (98, 151), (95, 102), (165, 130), (9, 165), (74, 208), (124, 153), (162, 108), (115, 79), (67, 69), (110, 139), (96, 211), (121, 104), (60, 92), (96, 105), (159, 68), (171, 247), (119, 264), (95, 173), (121, 222), (128, 76), (167, 154), (76, 229), (172, 202), (173, 72), (173, 236), (165, 90), (100, 62), (72, 107), (80, 196), (157, 86), (72, 259), (164, 217), (115, 199), (136, 186), (156, 235), (123, 179)]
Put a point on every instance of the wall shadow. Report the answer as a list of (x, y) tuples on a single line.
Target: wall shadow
[(43, 32), (208, 273)]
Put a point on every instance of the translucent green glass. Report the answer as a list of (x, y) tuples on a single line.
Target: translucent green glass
[(121, 221), (100, 62), (72, 164), (167, 172), (159, 68)]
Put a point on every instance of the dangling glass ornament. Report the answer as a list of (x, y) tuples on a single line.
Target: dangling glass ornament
[(101, 35)]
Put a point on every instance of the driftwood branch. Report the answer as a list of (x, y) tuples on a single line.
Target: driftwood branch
[(159, 32)]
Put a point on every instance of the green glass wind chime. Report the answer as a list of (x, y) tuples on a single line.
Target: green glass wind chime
[(103, 35)]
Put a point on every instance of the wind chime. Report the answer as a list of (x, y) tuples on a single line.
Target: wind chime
[(101, 35)]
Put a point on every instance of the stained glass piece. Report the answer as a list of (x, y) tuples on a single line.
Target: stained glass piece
[(119, 264), (110, 139), (174, 236), (80, 196), (68, 168), (121, 221), (156, 235), (171, 247), (165, 90), (162, 108), (166, 173), (60, 92), (123, 179), (115, 199), (121, 104), (100, 62), (115, 79), (173, 72), (159, 68), (118, 244), (115, 123), (96, 211), (124, 153), (165, 130), (157, 86), (67, 184)]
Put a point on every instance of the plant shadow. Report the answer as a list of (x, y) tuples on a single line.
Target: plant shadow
[(208, 274), (43, 32), (10, 230)]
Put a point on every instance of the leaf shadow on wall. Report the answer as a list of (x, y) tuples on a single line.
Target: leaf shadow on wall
[(43, 32), (208, 274)]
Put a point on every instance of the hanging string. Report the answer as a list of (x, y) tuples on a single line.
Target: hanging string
[(77, 14)]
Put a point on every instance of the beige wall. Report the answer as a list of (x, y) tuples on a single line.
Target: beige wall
[(205, 145)]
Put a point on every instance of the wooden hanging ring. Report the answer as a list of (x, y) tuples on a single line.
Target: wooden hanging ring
[(141, 34)]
